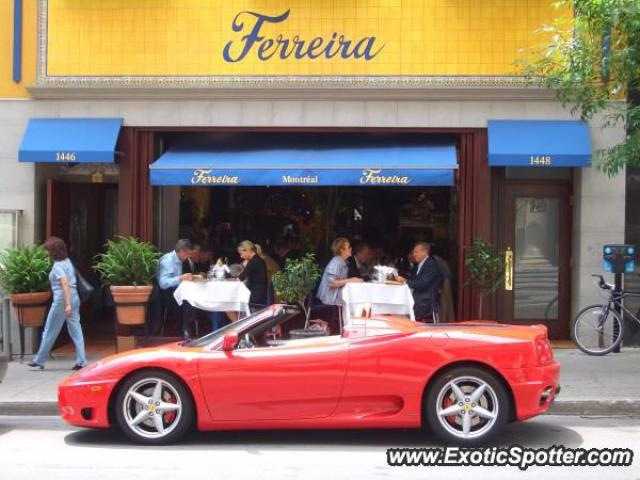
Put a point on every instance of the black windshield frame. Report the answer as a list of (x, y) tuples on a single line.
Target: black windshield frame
[(268, 314)]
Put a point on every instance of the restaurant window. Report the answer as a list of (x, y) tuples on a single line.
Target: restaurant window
[(9, 223)]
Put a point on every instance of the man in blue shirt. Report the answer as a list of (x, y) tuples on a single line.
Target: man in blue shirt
[(169, 275)]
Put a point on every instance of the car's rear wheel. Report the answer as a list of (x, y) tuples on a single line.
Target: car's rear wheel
[(466, 406), (153, 407)]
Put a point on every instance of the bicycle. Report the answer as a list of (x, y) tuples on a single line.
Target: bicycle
[(598, 329)]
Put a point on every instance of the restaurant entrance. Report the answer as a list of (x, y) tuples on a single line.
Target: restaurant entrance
[(163, 187), (536, 227), (84, 215), (385, 189)]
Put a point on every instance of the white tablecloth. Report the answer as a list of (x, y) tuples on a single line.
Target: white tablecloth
[(383, 299), (215, 296)]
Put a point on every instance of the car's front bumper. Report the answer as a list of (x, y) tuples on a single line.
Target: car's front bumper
[(85, 404)]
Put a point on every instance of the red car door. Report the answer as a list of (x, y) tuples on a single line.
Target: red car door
[(291, 381)]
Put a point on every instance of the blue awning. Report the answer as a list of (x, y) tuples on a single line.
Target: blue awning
[(70, 140), (539, 143), (318, 164)]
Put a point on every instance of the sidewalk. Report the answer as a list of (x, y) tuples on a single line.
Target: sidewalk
[(608, 385), (597, 386)]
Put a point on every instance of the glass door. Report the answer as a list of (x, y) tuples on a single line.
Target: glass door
[(537, 230)]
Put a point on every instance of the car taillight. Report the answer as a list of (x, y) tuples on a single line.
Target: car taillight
[(544, 352)]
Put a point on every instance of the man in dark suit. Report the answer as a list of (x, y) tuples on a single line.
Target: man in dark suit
[(358, 263), (425, 277), (282, 250)]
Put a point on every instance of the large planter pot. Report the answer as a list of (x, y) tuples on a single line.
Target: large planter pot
[(131, 303), (31, 308)]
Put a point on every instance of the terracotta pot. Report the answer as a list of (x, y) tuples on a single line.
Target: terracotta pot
[(31, 308), (131, 303)]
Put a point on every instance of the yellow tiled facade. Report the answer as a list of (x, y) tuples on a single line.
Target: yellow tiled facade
[(188, 37), (8, 88)]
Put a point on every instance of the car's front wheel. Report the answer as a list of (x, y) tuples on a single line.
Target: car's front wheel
[(153, 407), (466, 406)]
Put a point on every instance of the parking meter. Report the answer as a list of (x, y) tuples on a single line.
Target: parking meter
[(619, 258)]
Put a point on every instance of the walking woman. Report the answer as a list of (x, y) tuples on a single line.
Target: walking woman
[(65, 306)]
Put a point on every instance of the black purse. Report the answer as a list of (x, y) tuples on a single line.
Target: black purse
[(85, 289)]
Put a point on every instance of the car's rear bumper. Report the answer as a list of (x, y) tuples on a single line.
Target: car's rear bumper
[(85, 405), (534, 389)]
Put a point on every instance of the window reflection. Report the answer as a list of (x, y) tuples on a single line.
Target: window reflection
[(536, 267)]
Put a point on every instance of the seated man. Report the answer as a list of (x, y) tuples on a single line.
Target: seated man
[(282, 250), (189, 264), (425, 276), (170, 275), (203, 260), (359, 262)]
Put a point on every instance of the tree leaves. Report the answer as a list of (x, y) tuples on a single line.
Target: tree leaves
[(485, 266), (591, 60), (298, 278)]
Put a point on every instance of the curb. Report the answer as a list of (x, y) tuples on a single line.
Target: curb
[(29, 408), (597, 408), (587, 408)]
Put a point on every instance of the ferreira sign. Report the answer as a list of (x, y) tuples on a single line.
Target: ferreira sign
[(372, 176), (283, 48), (204, 177), (363, 177), (368, 176), (204, 42)]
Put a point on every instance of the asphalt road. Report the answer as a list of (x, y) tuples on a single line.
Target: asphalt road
[(46, 448)]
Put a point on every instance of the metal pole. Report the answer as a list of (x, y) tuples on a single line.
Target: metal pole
[(617, 291), (6, 327)]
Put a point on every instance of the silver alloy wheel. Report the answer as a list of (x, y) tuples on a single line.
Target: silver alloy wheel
[(152, 408), (467, 407)]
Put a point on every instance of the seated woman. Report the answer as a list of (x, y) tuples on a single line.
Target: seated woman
[(254, 273), (335, 274)]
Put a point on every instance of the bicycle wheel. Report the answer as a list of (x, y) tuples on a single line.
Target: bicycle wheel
[(595, 335)]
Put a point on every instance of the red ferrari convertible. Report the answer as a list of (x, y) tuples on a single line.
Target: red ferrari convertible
[(462, 381)]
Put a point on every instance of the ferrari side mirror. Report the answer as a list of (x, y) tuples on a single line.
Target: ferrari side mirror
[(230, 341)]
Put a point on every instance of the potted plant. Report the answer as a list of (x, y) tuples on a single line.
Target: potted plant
[(24, 275), (293, 285), (485, 267), (128, 267)]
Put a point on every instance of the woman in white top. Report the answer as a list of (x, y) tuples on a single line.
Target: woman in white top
[(335, 274)]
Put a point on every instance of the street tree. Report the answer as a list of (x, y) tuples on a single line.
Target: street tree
[(593, 63)]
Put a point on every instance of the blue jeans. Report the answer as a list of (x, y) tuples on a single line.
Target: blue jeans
[(218, 320), (52, 327)]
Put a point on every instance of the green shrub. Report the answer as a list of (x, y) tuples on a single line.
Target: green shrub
[(486, 268), (25, 269), (294, 283), (127, 261)]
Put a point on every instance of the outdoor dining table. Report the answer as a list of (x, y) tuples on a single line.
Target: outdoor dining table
[(382, 298), (215, 296)]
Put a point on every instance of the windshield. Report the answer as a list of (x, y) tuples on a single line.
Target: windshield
[(240, 325)]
